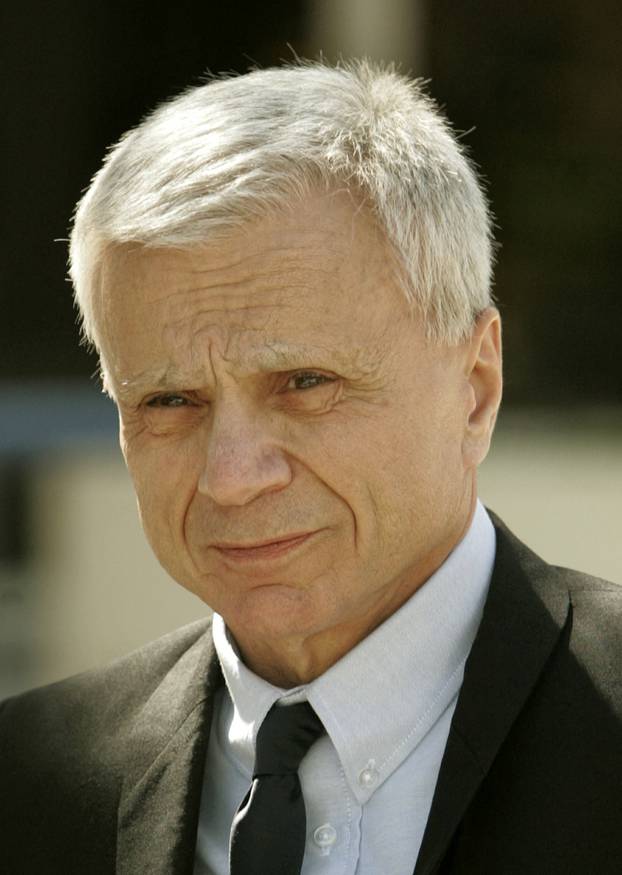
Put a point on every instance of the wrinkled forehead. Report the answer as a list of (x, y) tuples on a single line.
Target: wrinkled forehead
[(322, 273), (327, 230)]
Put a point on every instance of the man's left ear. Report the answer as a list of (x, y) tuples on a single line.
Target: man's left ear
[(484, 376)]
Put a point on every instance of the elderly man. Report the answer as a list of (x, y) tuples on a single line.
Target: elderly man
[(287, 278)]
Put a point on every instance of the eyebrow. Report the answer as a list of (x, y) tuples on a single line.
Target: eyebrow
[(273, 356), (146, 381), (279, 354)]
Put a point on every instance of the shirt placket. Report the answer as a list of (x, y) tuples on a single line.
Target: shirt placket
[(333, 815)]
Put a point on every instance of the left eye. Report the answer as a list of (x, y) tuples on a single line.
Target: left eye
[(167, 401), (307, 380)]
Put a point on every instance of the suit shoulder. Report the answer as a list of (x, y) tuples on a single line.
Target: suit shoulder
[(593, 599), (579, 582), (596, 632), (580, 587), (97, 701), (588, 608)]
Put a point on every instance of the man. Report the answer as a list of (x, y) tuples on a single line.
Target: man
[(287, 278)]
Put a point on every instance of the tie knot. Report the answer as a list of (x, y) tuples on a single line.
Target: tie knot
[(284, 737)]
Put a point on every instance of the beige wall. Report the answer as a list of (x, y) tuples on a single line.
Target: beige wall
[(557, 481), (100, 590)]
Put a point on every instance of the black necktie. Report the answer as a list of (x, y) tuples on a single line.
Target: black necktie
[(269, 829)]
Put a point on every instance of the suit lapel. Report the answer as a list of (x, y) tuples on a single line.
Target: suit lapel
[(523, 618), (161, 791)]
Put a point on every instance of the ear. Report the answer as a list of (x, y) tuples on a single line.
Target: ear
[(484, 376)]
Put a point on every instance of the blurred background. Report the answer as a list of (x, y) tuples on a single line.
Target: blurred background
[(536, 90)]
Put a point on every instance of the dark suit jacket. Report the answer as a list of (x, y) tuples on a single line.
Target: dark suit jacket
[(102, 773)]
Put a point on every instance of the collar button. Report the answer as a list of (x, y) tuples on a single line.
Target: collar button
[(369, 776)]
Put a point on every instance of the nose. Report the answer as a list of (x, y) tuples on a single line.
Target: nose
[(242, 460)]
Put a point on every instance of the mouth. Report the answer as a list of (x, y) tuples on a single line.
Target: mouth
[(264, 549)]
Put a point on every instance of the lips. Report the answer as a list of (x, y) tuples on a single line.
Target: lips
[(264, 549)]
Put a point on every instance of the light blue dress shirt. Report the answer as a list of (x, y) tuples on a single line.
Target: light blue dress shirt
[(386, 706)]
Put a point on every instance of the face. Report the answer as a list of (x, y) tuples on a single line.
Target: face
[(302, 458)]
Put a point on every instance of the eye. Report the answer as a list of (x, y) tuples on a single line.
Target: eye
[(307, 380), (168, 401)]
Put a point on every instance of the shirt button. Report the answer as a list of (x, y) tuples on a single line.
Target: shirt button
[(369, 775), (325, 837)]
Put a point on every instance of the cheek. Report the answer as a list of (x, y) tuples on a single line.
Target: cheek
[(165, 481), (418, 465)]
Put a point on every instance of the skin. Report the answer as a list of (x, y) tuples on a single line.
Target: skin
[(276, 383)]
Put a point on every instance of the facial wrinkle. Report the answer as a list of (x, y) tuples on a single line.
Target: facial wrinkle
[(320, 241), (252, 300)]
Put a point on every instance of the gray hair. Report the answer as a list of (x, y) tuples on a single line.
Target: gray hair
[(237, 148)]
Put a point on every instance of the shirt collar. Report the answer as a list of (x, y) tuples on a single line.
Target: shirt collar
[(379, 701), (251, 697)]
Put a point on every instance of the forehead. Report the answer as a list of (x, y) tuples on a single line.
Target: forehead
[(320, 276)]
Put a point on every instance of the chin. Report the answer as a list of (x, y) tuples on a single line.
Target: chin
[(275, 611)]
